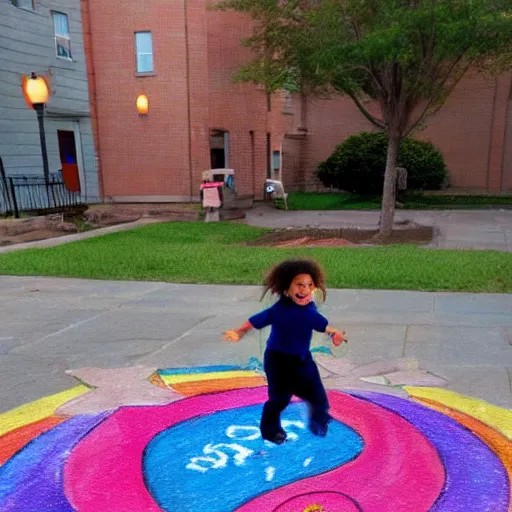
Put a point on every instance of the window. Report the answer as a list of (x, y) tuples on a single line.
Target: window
[(24, 4), (144, 52), (67, 147), (276, 160), (62, 39)]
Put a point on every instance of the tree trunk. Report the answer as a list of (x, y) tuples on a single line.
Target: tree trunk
[(389, 191)]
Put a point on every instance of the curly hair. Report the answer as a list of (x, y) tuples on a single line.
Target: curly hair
[(280, 276)]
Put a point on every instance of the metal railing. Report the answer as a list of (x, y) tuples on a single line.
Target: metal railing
[(35, 194)]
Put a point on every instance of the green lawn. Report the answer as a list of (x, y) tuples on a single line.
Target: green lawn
[(343, 201), (195, 252)]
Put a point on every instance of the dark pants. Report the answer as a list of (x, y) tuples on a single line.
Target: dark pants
[(292, 375)]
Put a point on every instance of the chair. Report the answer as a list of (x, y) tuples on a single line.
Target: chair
[(274, 189)]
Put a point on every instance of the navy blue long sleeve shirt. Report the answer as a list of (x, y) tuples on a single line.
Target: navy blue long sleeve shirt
[(292, 325)]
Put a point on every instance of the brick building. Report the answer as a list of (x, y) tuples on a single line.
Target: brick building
[(473, 130), (182, 56)]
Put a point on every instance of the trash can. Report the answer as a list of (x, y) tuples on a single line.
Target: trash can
[(228, 190), (211, 199)]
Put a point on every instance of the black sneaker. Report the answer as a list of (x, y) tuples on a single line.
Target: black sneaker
[(277, 438), (317, 429)]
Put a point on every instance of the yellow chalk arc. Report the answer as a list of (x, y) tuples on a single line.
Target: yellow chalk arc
[(37, 410), (496, 417)]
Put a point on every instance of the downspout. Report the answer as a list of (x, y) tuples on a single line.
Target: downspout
[(303, 130), (508, 112), (187, 60), (491, 138), (497, 140), (86, 8)]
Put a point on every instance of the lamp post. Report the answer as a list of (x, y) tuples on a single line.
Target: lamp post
[(37, 92)]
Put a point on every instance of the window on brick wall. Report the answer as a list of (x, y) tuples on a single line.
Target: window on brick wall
[(144, 52), (62, 37), (276, 162), (24, 4)]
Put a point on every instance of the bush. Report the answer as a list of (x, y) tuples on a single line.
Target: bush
[(358, 164)]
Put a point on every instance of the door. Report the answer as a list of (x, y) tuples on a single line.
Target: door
[(65, 151), (219, 149)]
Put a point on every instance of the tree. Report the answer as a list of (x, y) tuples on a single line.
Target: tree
[(404, 55)]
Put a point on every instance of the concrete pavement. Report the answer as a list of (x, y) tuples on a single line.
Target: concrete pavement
[(75, 237), (51, 325), (456, 229)]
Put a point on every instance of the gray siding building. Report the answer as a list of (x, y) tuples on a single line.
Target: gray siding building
[(45, 37)]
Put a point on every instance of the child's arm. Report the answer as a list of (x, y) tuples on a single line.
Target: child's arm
[(337, 337), (257, 321), (321, 324), (237, 334)]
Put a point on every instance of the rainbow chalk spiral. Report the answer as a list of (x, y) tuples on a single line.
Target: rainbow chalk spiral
[(434, 451)]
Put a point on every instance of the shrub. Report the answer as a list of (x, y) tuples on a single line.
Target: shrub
[(358, 164)]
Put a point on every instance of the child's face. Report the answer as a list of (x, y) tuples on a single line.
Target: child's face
[(301, 289)]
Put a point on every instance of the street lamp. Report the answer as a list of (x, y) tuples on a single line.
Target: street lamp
[(37, 92)]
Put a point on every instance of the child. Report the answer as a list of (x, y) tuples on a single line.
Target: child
[(288, 363)]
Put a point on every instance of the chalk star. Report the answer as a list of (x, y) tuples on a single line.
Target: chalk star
[(115, 387), (381, 376)]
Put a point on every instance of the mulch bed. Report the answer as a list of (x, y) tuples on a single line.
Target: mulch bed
[(109, 214), (42, 227), (316, 237)]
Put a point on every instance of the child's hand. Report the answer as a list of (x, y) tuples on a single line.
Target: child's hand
[(337, 337), (237, 334), (232, 336)]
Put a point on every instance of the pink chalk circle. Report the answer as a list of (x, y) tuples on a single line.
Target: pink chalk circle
[(398, 470), (326, 501)]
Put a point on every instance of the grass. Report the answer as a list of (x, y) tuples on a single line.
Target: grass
[(345, 201), (195, 252)]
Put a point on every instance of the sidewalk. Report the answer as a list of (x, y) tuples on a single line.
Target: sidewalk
[(51, 325), (53, 242), (456, 229)]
